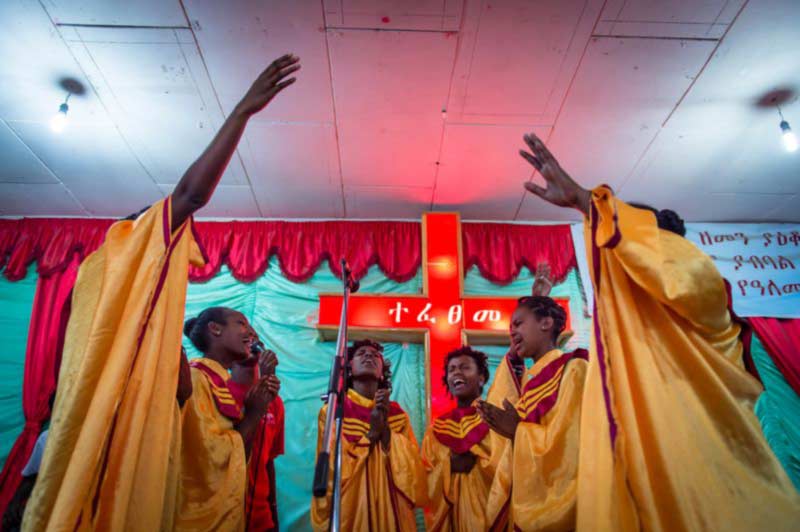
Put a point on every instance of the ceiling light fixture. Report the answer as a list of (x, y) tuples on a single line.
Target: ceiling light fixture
[(59, 122), (789, 138)]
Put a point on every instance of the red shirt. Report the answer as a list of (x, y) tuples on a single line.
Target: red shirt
[(266, 446)]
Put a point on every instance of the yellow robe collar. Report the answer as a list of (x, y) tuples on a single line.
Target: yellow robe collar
[(541, 363), (359, 399), (216, 367)]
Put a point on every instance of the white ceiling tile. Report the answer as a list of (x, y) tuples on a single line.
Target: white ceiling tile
[(421, 15), (227, 202), (238, 44), (481, 173), (516, 59), (698, 19), (622, 93), (789, 211), (387, 201), (393, 151), (750, 207), (156, 90), (674, 11), (34, 60), (390, 123), (380, 74), (672, 30), (25, 199), (117, 12), (294, 169), (695, 205), (20, 165), (95, 164), (717, 156), (719, 140)]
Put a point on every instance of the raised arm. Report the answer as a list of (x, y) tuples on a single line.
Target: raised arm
[(198, 183), (668, 267)]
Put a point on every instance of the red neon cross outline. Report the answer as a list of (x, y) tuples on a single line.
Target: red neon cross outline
[(441, 317)]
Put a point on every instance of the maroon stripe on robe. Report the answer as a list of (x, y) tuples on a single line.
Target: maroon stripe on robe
[(473, 437), (546, 403), (353, 410), (598, 336), (231, 411)]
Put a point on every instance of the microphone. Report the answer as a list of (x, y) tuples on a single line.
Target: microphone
[(353, 284), (257, 347)]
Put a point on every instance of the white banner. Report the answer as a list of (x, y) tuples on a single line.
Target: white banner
[(761, 261)]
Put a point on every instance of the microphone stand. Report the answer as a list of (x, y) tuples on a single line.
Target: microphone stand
[(334, 397)]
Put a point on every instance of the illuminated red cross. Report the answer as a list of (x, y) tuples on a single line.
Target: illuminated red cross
[(441, 317)]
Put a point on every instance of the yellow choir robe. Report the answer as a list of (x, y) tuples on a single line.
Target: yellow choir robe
[(535, 485), (110, 461), (379, 489), (213, 463), (669, 440), (457, 501)]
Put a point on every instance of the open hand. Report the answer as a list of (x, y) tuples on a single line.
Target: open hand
[(561, 189), (268, 84), (267, 361), (261, 394), (503, 421), (273, 386), (543, 281)]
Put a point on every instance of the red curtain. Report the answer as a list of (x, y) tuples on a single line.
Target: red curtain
[(498, 250), (45, 341), (781, 338), (52, 243), (246, 247), (501, 250)]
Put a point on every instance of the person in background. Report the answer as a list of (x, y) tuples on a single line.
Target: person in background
[(217, 435), (261, 508), (535, 484), (12, 518), (457, 450), (382, 475)]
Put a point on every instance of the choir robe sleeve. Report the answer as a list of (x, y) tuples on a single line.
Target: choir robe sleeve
[(668, 404), (670, 268), (456, 502), (380, 489), (114, 431), (408, 475), (213, 465), (505, 385)]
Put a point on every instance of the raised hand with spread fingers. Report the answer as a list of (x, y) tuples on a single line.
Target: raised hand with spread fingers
[(561, 189)]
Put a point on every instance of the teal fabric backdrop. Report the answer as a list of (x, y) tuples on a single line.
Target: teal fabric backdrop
[(16, 302), (284, 313)]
